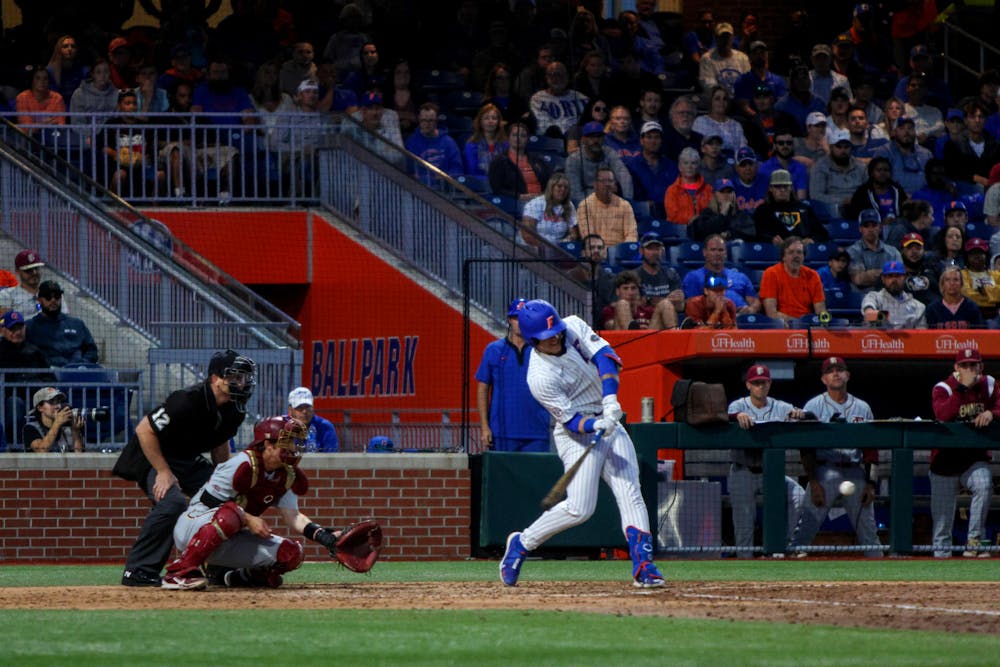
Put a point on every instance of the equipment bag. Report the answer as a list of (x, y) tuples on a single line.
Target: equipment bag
[(699, 403)]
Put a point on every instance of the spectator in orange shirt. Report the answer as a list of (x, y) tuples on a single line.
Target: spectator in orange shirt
[(39, 99), (689, 195), (790, 290), (713, 309)]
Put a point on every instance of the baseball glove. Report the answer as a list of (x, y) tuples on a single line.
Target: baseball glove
[(358, 546)]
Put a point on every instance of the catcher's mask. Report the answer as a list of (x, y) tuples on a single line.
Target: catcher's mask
[(288, 434), (240, 374)]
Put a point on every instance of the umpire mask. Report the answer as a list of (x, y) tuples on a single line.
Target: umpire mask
[(240, 374)]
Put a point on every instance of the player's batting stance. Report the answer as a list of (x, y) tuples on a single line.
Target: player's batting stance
[(574, 373), (223, 528)]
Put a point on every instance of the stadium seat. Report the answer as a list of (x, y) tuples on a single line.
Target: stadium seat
[(757, 321), (673, 234), (759, 255), (438, 80), (625, 255), (537, 144), (979, 230), (90, 386), (689, 255), (844, 303), (843, 232), (463, 102), (555, 161), (456, 124), (817, 254), (508, 205), (823, 211), (810, 321), (478, 185), (572, 247), (652, 225)]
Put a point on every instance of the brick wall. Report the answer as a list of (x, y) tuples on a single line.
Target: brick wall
[(59, 507)]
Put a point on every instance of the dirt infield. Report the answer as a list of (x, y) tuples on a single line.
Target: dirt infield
[(951, 607)]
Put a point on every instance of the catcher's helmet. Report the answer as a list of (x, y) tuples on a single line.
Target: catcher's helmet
[(539, 320), (515, 307), (288, 434), (240, 373)]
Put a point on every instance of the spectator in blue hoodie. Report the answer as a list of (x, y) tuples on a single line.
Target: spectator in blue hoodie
[(62, 339), (432, 146)]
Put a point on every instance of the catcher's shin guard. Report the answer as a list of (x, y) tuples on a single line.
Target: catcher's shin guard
[(289, 557), (228, 521)]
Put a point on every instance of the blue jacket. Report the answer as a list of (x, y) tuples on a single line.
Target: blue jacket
[(441, 151), (63, 339), (326, 435)]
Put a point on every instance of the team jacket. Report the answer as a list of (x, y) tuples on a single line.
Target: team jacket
[(956, 403)]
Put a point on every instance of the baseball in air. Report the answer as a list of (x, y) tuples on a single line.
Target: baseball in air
[(846, 488)]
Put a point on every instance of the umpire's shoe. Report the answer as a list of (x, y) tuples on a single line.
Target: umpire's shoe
[(140, 578), (513, 558)]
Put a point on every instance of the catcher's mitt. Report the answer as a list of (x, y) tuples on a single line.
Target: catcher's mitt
[(358, 546)]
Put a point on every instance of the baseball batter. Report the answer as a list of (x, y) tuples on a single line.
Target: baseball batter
[(223, 527), (827, 468), (574, 373), (746, 476), (966, 395)]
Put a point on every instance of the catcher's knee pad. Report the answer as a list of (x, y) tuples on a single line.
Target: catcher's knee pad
[(290, 556), (228, 519)]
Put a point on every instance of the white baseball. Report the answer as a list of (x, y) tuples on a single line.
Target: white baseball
[(846, 488)]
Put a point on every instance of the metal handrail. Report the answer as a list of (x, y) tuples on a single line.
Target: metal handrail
[(948, 28)]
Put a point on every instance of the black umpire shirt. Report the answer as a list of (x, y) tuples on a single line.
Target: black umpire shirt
[(187, 424)]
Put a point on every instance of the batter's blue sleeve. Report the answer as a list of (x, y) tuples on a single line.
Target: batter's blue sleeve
[(580, 425), (607, 363)]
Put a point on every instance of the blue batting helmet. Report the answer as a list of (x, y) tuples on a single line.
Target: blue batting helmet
[(539, 320), (515, 307)]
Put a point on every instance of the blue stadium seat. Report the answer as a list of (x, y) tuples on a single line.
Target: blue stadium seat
[(555, 161), (572, 247), (456, 124), (463, 102), (757, 321), (823, 211), (759, 255), (979, 230), (438, 80), (625, 255), (689, 255), (844, 232), (672, 234), (478, 185), (652, 225), (817, 254), (509, 205), (90, 386), (537, 144), (844, 303)]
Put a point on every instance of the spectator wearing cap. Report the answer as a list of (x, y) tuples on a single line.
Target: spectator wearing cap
[(767, 121), (907, 157), (711, 309), (980, 283), (928, 120), (845, 64), (799, 102), (378, 126), (750, 186), (689, 195), (834, 275), (892, 306), (970, 156), (739, 289), (938, 190), (713, 165), (723, 217), (680, 133), (658, 281), (746, 87), (955, 214), (921, 62), (24, 297), (120, 59), (651, 172), (789, 289), (879, 192), (582, 166), (921, 276), (95, 95), (813, 146), (51, 426), (433, 146), (826, 468), (701, 39), (619, 135), (954, 127), (746, 476), (63, 339), (783, 157), (717, 121), (952, 310), (869, 253), (180, 69), (966, 395), (722, 64), (783, 214), (605, 213), (322, 434), (834, 178), (556, 108), (16, 352), (917, 216), (297, 68), (865, 139), (822, 79)]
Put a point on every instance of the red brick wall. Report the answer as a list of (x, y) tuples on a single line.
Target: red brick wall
[(69, 508)]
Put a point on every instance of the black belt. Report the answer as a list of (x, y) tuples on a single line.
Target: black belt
[(754, 469), (210, 501)]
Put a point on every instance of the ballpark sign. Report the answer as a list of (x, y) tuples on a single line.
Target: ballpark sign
[(360, 368)]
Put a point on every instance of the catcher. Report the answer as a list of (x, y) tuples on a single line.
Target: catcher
[(222, 529)]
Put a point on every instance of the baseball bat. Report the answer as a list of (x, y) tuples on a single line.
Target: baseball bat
[(558, 491)]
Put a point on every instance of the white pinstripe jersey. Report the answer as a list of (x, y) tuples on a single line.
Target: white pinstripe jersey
[(853, 410), (568, 383)]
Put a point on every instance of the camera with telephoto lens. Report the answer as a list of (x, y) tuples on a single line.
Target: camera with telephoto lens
[(101, 414)]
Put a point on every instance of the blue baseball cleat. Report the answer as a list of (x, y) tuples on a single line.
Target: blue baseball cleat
[(648, 576), (513, 558)]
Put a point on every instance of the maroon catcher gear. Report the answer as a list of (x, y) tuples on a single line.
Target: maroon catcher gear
[(228, 520), (288, 434)]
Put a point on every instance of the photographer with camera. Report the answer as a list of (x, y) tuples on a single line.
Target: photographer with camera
[(53, 425)]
